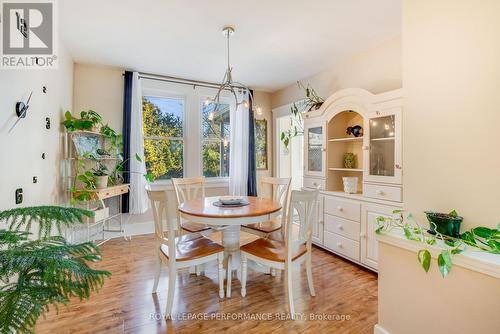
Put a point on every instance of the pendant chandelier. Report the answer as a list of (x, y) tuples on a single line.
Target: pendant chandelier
[(236, 88)]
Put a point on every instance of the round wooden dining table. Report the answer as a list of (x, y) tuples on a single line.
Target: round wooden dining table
[(229, 220)]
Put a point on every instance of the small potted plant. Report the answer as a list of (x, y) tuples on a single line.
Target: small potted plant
[(444, 223), (101, 175), (349, 160)]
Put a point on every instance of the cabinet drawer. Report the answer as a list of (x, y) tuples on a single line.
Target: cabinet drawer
[(314, 183), (344, 227), (342, 245), (343, 208), (383, 192)]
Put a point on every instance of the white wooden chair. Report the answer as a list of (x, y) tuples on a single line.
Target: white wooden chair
[(280, 190), (290, 253), (187, 189), (180, 252)]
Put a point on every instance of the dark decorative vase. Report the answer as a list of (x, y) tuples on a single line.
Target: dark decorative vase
[(445, 223), (356, 131)]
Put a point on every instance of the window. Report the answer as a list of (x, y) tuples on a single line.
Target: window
[(215, 126), (163, 121)]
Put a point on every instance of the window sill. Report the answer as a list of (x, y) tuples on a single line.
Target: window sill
[(212, 182)]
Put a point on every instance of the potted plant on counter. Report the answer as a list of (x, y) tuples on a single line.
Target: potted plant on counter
[(444, 223)]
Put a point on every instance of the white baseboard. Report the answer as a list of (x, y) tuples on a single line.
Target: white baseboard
[(377, 329)]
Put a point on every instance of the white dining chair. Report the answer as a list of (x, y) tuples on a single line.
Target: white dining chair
[(279, 192), (180, 252), (187, 189), (290, 253)]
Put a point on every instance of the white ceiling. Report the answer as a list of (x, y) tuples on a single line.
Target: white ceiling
[(276, 43)]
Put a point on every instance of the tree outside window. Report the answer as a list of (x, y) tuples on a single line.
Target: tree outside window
[(163, 136), (215, 140)]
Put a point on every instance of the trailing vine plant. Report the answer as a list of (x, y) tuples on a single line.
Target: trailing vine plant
[(483, 238), (311, 101)]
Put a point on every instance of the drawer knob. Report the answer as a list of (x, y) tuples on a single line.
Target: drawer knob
[(340, 208), (339, 244), (341, 227), (315, 183), (321, 222), (379, 192), (398, 166)]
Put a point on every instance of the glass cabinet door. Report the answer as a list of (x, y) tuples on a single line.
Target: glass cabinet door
[(315, 153), (384, 157)]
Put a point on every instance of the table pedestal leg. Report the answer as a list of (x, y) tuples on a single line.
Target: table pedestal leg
[(231, 243)]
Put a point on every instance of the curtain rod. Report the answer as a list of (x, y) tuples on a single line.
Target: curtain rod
[(183, 81)]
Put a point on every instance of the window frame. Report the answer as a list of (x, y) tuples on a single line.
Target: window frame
[(166, 94), (201, 101)]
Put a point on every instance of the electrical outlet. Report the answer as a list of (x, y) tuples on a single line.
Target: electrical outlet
[(47, 123), (35, 179), (19, 196)]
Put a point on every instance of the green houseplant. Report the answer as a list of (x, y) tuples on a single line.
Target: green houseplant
[(88, 121), (37, 273), (100, 174), (444, 223)]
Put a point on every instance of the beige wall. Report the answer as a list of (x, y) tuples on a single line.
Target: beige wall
[(376, 70), (451, 74), (99, 88), (451, 79), (414, 302), (21, 150)]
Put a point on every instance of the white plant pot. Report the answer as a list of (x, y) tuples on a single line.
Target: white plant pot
[(350, 185), (101, 182)]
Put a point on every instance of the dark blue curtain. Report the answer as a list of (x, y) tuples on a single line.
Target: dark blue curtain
[(252, 175), (127, 111)]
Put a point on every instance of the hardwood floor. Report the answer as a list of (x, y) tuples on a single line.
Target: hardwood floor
[(125, 303)]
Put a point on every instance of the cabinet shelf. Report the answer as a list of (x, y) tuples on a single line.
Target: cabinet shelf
[(383, 139), (346, 139), (360, 170)]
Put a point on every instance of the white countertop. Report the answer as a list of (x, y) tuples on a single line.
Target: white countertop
[(471, 258)]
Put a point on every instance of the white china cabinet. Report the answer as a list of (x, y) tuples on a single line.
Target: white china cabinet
[(354, 134)]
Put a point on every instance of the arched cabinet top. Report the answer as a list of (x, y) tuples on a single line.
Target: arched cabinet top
[(356, 99)]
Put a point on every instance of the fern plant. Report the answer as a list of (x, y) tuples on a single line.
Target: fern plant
[(35, 274)]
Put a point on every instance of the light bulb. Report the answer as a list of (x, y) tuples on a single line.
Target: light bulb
[(259, 111), (387, 127), (246, 104), (211, 116), (374, 123), (391, 134)]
